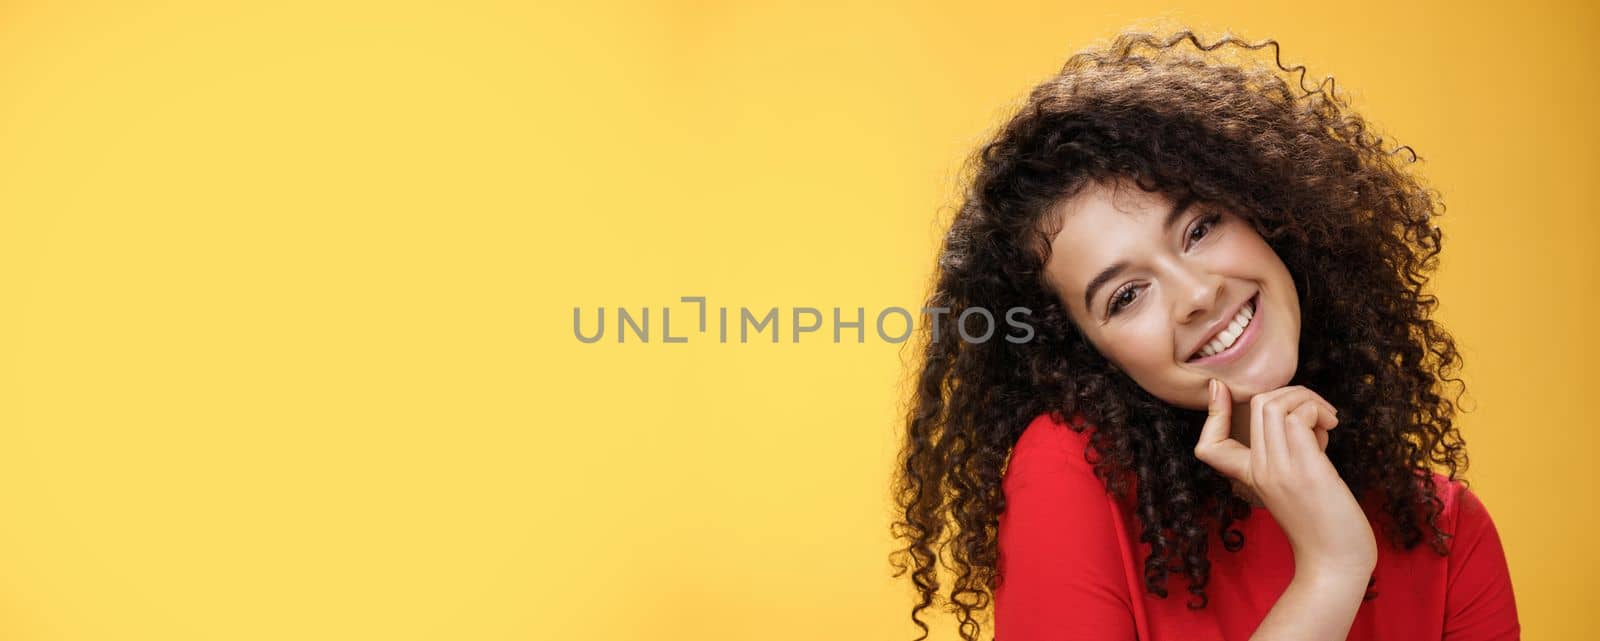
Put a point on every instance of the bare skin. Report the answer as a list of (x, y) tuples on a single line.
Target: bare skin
[(1159, 287), (1287, 468), (1239, 430)]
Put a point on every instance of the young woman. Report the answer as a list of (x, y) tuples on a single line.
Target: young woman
[(1227, 421)]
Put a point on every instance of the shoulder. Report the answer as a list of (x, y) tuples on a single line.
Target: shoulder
[(1461, 508), (1050, 447), (1479, 600), (1470, 533), (1062, 550)]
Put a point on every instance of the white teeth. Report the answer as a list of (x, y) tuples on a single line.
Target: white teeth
[(1229, 334)]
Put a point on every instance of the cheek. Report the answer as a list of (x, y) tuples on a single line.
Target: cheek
[(1140, 346), (1259, 254)]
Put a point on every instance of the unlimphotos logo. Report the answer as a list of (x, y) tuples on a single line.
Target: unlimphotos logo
[(973, 324)]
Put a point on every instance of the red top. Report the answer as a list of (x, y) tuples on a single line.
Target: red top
[(1072, 566)]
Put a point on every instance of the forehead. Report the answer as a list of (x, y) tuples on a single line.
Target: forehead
[(1096, 227)]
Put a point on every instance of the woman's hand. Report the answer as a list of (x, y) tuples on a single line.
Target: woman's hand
[(1286, 467)]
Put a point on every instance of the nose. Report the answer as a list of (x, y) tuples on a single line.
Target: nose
[(1195, 293)]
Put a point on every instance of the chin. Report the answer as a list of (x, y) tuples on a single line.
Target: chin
[(1265, 376), (1270, 376)]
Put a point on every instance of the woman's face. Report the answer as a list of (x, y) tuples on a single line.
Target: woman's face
[(1167, 287)]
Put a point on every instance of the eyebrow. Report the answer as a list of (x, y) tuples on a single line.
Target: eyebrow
[(1111, 272)]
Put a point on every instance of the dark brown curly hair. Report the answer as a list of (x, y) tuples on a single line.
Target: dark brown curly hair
[(1195, 120)]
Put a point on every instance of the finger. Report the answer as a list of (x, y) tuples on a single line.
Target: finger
[(1215, 448), (1272, 431), (1218, 413), (1298, 433), (1258, 438), (1324, 418), (1327, 418)]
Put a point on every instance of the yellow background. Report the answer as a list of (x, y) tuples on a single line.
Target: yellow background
[(286, 295)]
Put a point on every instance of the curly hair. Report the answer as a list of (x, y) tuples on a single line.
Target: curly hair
[(1177, 116)]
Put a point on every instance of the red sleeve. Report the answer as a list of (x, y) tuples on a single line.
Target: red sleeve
[(1061, 572), (1479, 605)]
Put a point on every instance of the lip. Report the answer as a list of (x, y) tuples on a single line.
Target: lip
[(1241, 344)]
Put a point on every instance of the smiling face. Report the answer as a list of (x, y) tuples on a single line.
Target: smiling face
[(1168, 284)]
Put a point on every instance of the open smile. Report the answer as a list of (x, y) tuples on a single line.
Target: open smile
[(1231, 339)]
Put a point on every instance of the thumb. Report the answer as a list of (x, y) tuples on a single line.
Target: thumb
[(1215, 447)]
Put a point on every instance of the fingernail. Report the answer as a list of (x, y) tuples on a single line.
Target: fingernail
[(1213, 390)]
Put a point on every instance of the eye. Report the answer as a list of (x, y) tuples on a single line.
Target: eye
[(1120, 299), (1196, 234), (1202, 228)]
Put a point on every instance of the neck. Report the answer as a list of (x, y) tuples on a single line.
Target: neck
[(1239, 429), (1239, 426)]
